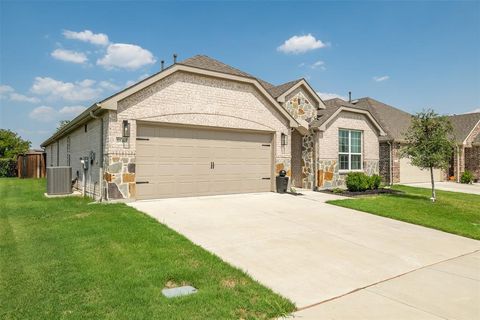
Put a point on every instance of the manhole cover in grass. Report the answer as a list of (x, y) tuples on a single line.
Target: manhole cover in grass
[(179, 291)]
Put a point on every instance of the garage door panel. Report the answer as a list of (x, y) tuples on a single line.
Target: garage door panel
[(176, 161), (412, 174)]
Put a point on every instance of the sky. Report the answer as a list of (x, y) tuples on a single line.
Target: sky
[(57, 58)]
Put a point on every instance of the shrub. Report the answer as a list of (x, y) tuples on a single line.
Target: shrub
[(467, 177), (8, 168), (337, 190), (357, 181), (375, 181)]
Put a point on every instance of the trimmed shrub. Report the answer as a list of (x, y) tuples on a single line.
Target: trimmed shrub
[(467, 177), (375, 181), (357, 181), (8, 168)]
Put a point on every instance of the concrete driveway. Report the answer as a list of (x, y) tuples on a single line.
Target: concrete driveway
[(450, 186), (324, 257)]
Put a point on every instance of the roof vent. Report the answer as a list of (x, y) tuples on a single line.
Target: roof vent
[(162, 63), (175, 58), (349, 96)]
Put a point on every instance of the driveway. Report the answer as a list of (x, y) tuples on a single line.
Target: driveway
[(319, 255), (450, 186)]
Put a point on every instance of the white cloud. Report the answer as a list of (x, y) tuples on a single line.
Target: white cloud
[(72, 110), (380, 79), (69, 56), (22, 98), (43, 114), (108, 85), (132, 82), (327, 96), (7, 92), (319, 64), (56, 89), (126, 56), (4, 89), (301, 44), (49, 114), (87, 36)]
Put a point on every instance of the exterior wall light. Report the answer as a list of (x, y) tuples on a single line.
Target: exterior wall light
[(125, 129), (284, 139)]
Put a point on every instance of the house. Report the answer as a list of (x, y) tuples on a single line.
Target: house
[(201, 127), (393, 167), (466, 128)]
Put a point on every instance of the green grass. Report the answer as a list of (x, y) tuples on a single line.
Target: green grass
[(453, 212), (65, 258)]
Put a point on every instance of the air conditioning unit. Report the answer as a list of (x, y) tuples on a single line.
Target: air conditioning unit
[(59, 180)]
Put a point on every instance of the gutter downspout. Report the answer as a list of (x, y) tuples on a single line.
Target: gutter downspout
[(101, 152)]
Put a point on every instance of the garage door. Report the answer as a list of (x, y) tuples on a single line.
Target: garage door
[(411, 174), (181, 162)]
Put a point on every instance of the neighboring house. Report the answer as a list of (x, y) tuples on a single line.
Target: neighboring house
[(395, 122), (201, 127), (466, 129)]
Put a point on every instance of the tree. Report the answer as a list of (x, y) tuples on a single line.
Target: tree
[(62, 123), (11, 144), (429, 142)]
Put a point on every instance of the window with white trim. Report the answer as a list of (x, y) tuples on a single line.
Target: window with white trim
[(350, 150)]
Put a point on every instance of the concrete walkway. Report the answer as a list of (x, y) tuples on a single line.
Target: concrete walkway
[(314, 253), (450, 186)]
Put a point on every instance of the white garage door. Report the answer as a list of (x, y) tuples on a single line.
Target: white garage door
[(412, 174), (181, 162)]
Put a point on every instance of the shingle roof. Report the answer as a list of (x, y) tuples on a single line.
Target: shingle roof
[(277, 91), (394, 121), (207, 63), (332, 105), (463, 124)]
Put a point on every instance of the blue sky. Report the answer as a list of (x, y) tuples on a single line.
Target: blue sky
[(57, 58)]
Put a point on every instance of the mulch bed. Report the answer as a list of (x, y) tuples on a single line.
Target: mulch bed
[(347, 193)]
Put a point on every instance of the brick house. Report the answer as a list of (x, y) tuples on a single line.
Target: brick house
[(395, 122), (201, 127), (467, 152)]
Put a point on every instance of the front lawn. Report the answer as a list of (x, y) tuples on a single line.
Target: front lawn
[(453, 212), (65, 258)]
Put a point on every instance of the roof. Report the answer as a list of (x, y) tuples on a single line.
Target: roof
[(200, 62), (463, 124), (335, 105), (277, 91), (394, 121), (207, 63)]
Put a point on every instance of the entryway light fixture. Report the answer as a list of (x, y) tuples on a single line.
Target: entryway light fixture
[(284, 139), (126, 129)]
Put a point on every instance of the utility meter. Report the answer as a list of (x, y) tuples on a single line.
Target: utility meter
[(84, 161)]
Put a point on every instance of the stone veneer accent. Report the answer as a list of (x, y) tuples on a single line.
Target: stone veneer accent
[(308, 142), (385, 163), (120, 176), (300, 108), (328, 175)]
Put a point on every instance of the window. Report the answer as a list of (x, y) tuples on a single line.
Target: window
[(85, 127), (350, 149)]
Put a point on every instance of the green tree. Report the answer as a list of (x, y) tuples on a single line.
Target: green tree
[(62, 123), (429, 142), (11, 144)]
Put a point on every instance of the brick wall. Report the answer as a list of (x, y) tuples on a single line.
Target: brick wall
[(81, 145), (328, 174), (193, 99), (472, 160), (384, 162)]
